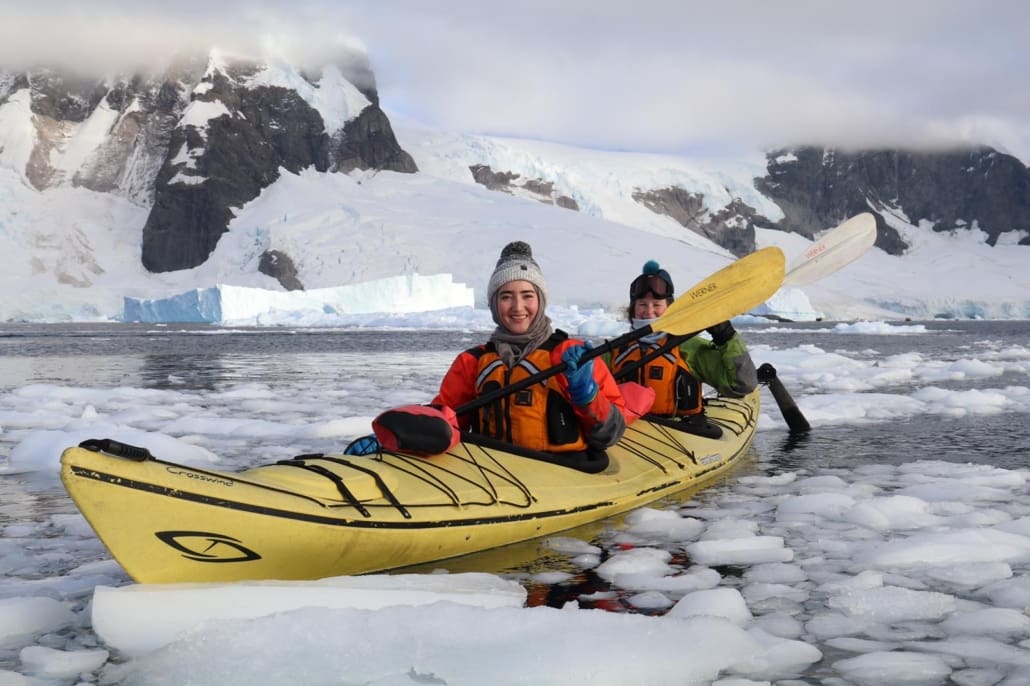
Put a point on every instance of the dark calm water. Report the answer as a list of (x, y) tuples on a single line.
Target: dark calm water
[(195, 356), (1002, 440)]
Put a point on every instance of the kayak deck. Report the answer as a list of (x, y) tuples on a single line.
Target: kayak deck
[(328, 515)]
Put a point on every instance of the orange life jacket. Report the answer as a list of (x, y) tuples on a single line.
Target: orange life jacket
[(539, 417), (677, 391)]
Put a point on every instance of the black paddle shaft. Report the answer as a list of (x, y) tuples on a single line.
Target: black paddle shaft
[(596, 351)]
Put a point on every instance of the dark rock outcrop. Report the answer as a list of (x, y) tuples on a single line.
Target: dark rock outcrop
[(951, 190), (484, 175), (731, 227), (143, 111), (280, 267), (368, 142), (513, 184), (265, 128), (63, 97), (226, 166), (194, 170), (685, 207), (130, 159)]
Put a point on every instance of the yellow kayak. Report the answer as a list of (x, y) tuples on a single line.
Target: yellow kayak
[(317, 516)]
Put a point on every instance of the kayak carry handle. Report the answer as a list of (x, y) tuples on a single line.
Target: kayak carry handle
[(116, 448), (796, 421)]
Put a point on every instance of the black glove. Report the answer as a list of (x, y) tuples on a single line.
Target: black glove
[(721, 333)]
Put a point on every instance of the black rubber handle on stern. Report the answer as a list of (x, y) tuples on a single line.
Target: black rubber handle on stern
[(788, 408)]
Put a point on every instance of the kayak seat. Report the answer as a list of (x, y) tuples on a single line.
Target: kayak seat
[(589, 461), (695, 424)]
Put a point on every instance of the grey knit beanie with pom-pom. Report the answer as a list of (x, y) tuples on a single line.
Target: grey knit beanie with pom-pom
[(516, 264)]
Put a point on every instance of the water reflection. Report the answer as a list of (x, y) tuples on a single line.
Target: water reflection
[(195, 372), (522, 561), (31, 497), (70, 370), (999, 440)]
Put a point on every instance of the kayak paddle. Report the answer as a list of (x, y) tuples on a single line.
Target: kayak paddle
[(734, 289), (837, 248)]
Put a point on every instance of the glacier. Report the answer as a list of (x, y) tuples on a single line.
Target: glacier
[(226, 304)]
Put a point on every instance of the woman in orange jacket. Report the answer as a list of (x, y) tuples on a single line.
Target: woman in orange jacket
[(576, 413)]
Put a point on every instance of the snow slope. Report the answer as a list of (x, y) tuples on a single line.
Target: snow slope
[(68, 253)]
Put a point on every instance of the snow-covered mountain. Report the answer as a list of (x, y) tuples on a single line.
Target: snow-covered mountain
[(256, 173)]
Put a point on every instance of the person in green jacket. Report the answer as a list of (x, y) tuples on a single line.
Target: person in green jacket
[(675, 367)]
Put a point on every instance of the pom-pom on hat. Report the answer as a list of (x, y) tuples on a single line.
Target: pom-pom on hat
[(516, 264), (654, 280)]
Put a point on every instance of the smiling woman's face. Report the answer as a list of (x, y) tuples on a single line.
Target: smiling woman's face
[(517, 305)]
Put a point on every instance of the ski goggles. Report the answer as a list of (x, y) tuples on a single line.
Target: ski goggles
[(650, 283)]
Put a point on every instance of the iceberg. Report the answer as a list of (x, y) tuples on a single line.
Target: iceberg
[(222, 303), (791, 304)]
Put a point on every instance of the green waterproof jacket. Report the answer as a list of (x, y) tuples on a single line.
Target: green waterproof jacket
[(729, 368)]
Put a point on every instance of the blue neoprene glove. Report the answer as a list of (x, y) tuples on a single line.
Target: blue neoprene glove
[(363, 445), (582, 387)]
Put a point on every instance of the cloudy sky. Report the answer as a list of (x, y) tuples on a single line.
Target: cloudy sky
[(678, 76)]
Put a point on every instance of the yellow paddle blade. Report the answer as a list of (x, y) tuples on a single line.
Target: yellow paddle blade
[(731, 291)]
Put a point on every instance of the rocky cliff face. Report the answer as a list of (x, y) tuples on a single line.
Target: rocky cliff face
[(223, 162), (952, 190), (124, 123), (515, 184), (732, 226), (200, 140), (816, 188)]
